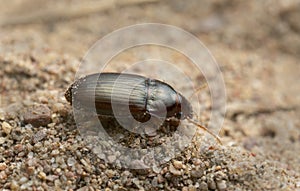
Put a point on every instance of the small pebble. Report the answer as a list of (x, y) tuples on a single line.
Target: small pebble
[(14, 185), (2, 140), (38, 116), (30, 170), (18, 148), (197, 162), (203, 186), (2, 166), (212, 185), (42, 175), (55, 152), (87, 166), (178, 164), (84, 188), (197, 173), (40, 135), (137, 183), (23, 180), (221, 185), (218, 168), (58, 170), (173, 170), (71, 161), (160, 179), (69, 174), (111, 158), (192, 188), (43, 100), (156, 169), (6, 127), (60, 109), (110, 173), (3, 175), (154, 182), (51, 178)]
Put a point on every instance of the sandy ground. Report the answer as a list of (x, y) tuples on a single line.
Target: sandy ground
[(256, 44)]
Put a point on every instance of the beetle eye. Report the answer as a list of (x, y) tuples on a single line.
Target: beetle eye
[(178, 115)]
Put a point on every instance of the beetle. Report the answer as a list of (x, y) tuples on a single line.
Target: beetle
[(144, 97)]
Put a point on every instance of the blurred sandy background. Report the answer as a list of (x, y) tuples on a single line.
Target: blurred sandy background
[(256, 43)]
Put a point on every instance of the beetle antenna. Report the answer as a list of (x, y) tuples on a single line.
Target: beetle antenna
[(194, 93), (198, 90), (205, 129)]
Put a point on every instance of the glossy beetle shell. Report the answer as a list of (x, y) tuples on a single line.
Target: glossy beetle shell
[(144, 96)]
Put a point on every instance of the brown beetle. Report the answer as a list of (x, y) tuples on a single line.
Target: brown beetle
[(145, 97)]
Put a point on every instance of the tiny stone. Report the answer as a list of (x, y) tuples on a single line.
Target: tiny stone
[(192, 188), (203, 186), (55, 152), (38, 145), (212, 185), (23, 180), (57, 183), (185, 188), (84, 188), (14, 185), (60, 109), (3, 175), (110, 173), (178, 164), (38, 116), (69, 174), (164, 170), (218, 168), (51, 178), (156, 169), (40, 135), (6, 127), (71, 161), (43, 100), (21, 154), (52, 131), (139, 165), (137, 183), (154, 182), (221, 185), (87, 166), (196, 173), (2, 140), (173, 170), (58, 170), (160, 179), (111, 158), (197, 162), (30, 170), (18, 148), (42, 175), (2, 166)]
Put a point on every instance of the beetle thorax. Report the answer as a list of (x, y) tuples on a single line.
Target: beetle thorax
[(164, 102)]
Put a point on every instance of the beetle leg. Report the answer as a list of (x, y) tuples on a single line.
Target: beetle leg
[(205, 129)]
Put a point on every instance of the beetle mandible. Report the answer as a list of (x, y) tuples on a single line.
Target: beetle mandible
[(143, 97)]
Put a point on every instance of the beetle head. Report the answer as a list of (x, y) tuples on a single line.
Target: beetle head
[(186, 110)]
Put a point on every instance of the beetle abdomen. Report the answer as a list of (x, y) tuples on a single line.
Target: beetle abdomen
[(106, 88)]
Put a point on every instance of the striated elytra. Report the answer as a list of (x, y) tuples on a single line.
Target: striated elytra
[(145, 97)]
